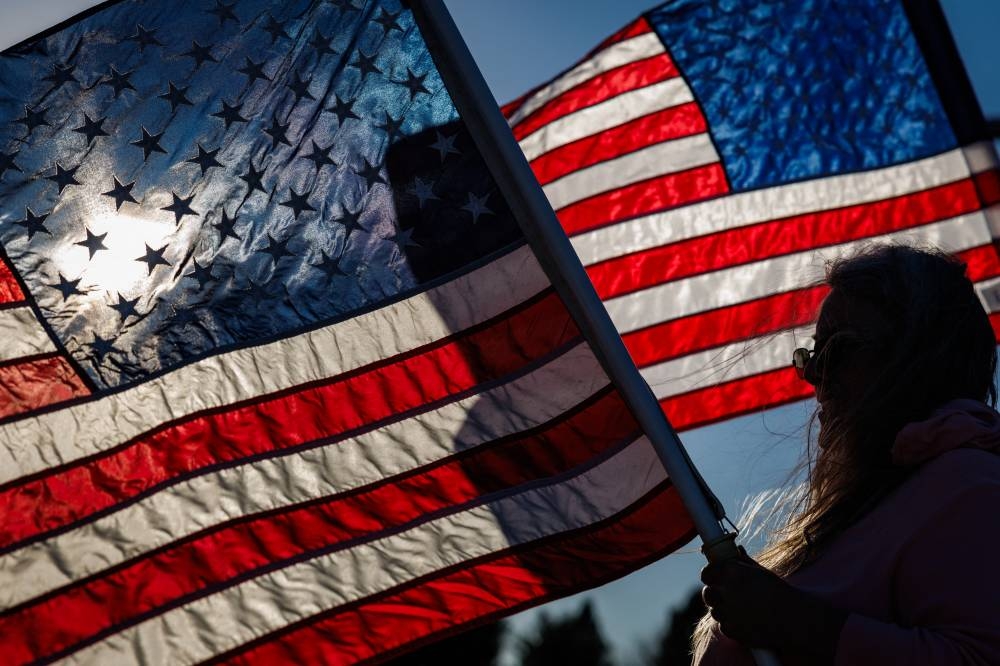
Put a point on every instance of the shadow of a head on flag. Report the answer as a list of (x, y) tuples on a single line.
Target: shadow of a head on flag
[(529, 430), (450, 214)]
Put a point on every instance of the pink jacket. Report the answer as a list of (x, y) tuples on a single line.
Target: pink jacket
[(920, 574)]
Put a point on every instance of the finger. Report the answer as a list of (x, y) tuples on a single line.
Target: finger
[(712, 574), (720, 573)]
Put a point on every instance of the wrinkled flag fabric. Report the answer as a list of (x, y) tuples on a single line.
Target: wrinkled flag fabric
[(280, 379), (708, 159)]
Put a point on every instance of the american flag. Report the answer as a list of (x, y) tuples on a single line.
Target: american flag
[(710, 157), (280, 379)]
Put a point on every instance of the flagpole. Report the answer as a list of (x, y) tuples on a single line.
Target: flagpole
[(509, 167)]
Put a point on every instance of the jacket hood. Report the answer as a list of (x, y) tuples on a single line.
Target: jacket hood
[(958, 424)]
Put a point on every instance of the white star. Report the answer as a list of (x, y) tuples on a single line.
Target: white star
[(477, 206), (423, 190), (445, 145)]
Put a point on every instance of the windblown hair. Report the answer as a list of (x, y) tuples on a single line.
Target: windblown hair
[(939, 346)]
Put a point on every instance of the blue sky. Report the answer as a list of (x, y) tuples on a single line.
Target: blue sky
[(520, 43)]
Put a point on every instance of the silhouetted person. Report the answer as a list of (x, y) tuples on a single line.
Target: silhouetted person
[(892, 556)]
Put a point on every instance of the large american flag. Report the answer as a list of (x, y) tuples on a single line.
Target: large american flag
[(710, 157), (280, 379)]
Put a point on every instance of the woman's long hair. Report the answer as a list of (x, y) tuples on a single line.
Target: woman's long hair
[(939, 346)]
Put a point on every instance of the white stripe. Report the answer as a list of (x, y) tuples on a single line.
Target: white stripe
[(614, 56), (22, 335), (36, 443), (609, 113), (731, 286), (981, 156), (208, 500), (989, 294), (231, 617), (656, 160), (746, 208), (722, 364)]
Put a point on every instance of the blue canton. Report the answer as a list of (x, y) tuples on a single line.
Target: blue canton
[(188, 177), (770, 79)]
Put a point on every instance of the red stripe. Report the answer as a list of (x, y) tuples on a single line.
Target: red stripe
[(333, 408), (10, 291), (487, 588), (743, 245), (36, 383), (672, 123), (988, 184), (741, 396), (644, 197), (723, 326), (982, 262), (220, 556), (604, 86), (638, 27)]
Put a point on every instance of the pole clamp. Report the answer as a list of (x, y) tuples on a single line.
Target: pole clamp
[(722, 548)]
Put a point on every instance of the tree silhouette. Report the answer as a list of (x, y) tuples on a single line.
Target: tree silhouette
[(674, 647), (574, 639), (475, 647)]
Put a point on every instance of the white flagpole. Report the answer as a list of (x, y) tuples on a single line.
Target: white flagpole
[(509, 167)]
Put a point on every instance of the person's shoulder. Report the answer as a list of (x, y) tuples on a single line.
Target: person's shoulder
[(960, 482), (953, 499), (965, 466), (948, 482)]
